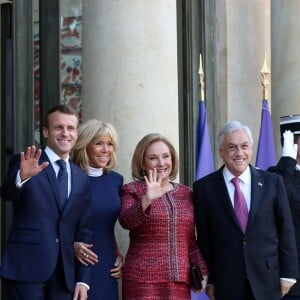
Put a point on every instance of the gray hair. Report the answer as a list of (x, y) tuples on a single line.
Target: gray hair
[(230, 127)]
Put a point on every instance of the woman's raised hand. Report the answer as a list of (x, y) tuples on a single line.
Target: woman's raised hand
[(154, 189)]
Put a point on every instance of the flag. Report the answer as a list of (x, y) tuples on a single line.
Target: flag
[(265, 156), (204, 162), (200, 296), (204, 158)]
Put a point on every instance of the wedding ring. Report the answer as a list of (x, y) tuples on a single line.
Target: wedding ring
[(85, 255)]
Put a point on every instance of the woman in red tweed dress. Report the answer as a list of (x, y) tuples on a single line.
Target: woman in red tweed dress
[(160, 216)]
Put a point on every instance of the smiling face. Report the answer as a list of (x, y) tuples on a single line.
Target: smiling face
[(236, 151), (158, 156), (100, 151), (61, 133)]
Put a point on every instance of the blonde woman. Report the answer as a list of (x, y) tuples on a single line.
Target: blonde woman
[(95, 153)]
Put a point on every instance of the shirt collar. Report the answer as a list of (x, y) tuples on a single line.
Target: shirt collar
[(245, 177), (53, 157)]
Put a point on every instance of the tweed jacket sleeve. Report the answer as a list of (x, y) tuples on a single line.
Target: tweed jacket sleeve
[(132, 214)]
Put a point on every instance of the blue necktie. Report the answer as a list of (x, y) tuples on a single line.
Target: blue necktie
[(62, 181)]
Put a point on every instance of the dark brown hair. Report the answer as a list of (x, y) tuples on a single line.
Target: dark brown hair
[(63, 108)]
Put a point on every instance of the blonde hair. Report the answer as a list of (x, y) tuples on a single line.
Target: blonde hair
[(88, 132), (139, 154)]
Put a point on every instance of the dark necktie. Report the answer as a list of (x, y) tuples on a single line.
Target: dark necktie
[(240, 206), (62, 181)]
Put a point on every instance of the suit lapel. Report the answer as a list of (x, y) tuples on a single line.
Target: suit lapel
[(50, 173), (223, 196), (74, 184), (257, 185)]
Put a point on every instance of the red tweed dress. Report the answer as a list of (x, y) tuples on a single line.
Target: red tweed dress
[(162, 244)]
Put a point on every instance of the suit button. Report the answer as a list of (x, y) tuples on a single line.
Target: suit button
[(57, 240), (244, 243)]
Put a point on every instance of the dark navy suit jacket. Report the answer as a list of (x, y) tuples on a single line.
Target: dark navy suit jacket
[(286, 167), (267, 250), (41, 229)]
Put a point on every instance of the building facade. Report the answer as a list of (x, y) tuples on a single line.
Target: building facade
[(135, 64)]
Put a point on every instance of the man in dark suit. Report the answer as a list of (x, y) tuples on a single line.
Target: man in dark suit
[(251, 253), (38, 261), (289, 168)]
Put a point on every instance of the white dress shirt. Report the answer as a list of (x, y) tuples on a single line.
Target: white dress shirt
[(245, 185)]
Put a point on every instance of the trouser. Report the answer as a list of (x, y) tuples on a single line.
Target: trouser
[(53, 289)]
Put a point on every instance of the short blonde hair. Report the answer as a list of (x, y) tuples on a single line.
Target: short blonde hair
[(88, 132), (139, 154)]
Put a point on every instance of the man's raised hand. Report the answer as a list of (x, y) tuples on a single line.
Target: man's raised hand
[(29, 165)]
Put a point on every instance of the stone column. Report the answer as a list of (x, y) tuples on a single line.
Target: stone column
[(236, 40), (130, 70), (285, 61)]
